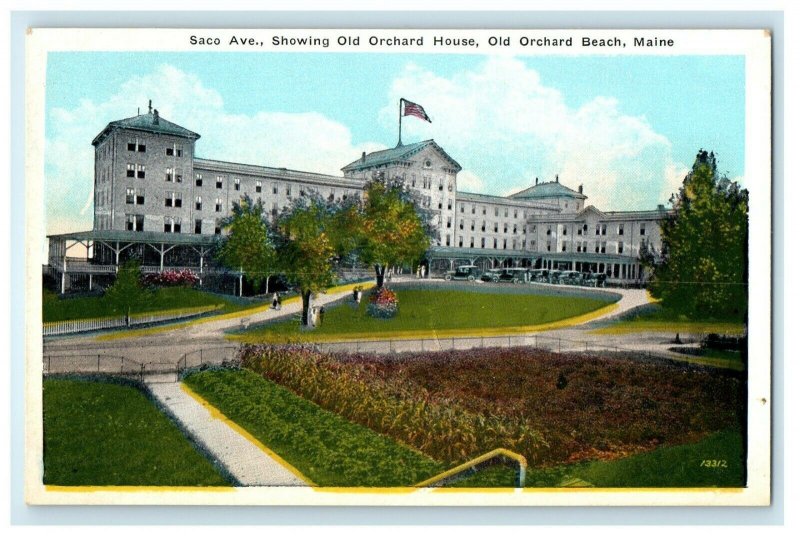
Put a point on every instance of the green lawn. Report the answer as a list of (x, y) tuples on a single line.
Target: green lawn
[(433, 310), (657, 318), (328, 449), (677, 466), (108, 434), (55, 309)]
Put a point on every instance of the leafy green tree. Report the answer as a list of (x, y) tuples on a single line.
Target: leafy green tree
[(306, 247), (127, 292), (702, 269), (394, 229), (247, 245)]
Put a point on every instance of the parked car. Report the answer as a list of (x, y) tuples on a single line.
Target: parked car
[(540, 276), (467, 272), (514, 275), (492, 276), (552, 276), (594, 280), (570, 277)]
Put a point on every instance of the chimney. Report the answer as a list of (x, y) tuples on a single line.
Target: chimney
[(580, 189), (363, 156), (661, 208), (537, 181), (150, 106), (556, 177), (155, 117)]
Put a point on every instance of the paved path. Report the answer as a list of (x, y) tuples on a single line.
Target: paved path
[(243, 458)]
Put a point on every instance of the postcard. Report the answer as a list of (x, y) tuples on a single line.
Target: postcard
[(398, 267)]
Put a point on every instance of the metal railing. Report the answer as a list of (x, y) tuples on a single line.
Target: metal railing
[(92, 324)]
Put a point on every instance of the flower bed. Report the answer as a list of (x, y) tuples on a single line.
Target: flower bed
[(382, 303), (171, 278), (442, 430)]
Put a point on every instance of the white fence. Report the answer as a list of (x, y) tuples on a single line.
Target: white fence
[(93, 324)]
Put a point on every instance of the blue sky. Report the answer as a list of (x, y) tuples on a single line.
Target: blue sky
[(625, 127)]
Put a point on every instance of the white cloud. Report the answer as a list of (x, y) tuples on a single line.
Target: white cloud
[(304, 141), (506, 127)]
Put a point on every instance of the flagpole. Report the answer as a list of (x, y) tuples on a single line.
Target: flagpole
[(400, 124)]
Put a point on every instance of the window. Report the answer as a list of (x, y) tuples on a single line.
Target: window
[(599, 247), (175, 150), (173, 199), (172, 225), (549, 230), (496, 211), (134, 222), (472, 241), (131, 170), (258, 187), (495, 227), (440, 205), (484, 211), (473, 209), (505, 214), (449, 223), (198, 203), (495, 243), (139, 171), (274, 188), (564, 231), (620, 247), (198, 226), (441, 186), (483, 226), (548, 245), (130, 196), (472, 225), (198, 179), (447, 241), (217, 229), (580, 231), (219, 183), (621, 230), (461, 224), (135, 146), (515, 228), (603, 229), (642, 230), (288, 191), (218, 205), (483, 242), (563, 246), (237, 185), (515, 213), (178, 177), (460, 241), (449, 205), (170, 173), (505, 228), (461, 207)]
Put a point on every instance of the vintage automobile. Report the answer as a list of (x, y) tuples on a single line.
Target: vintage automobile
[(553, 275), (570, 277), (492, 276), (594, 280), (539, 276), (467, 272), (514, 275)]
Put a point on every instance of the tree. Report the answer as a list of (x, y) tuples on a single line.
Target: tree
[(127, 292), (247, 246), (394, 229), (306, 247), (702, 270)]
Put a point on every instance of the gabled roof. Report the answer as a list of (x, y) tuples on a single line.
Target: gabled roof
[(149, 122), (398, 154), (547, 189)]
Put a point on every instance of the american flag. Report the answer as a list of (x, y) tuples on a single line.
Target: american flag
[(416, 110)]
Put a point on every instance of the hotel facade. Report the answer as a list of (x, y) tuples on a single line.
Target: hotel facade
[(154, 200)]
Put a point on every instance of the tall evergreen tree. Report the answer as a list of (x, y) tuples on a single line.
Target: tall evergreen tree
[(702, 270)]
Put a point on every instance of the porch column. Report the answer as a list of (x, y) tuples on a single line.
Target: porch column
[(64, 275), (241, 277)]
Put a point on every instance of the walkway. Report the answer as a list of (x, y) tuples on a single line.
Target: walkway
[(244, 458)]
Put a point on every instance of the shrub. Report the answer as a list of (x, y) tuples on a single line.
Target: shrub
[(382, 303), (171, 278)]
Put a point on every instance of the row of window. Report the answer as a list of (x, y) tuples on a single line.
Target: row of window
[(136, 147), (135, 222), (601, 229), (516, 212)]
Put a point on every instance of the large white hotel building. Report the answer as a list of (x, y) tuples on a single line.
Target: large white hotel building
[(156, 201)]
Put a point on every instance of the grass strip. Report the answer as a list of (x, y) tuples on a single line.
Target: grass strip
[(99, 433), (330, 450)]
